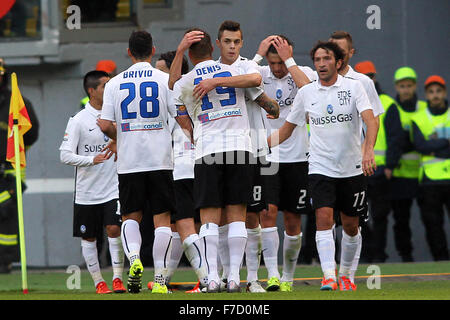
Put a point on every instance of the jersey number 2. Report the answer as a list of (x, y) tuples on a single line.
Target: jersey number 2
[(143, 103)]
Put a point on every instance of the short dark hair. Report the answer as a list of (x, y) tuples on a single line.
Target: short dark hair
[(343, 35), (140, 44), (230, 26), (168, 57), (202, 48), (328, 46), (272, 48), (92, 79)]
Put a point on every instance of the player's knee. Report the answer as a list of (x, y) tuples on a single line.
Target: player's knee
[(113, 231)]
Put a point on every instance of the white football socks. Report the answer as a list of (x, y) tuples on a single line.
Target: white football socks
[(116, 252), (193, 249), (237, 239), (90, 255), (291, 250), (270, 243), (131, 239), (161, 253), (355, 262), (175, 256), (209, 233), (326, 249), (224, 250), (253, 253), (349, 247)]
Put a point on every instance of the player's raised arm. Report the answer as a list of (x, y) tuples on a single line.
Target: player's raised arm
[(175, 69), (263, 48), (242, 81), (285, 51)]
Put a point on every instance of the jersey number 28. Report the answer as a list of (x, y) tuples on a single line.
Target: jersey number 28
[(143, 103)]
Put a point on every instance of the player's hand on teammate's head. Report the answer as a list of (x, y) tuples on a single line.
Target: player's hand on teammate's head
[(284, 49), (203, 87), (111, 149), (190, 38), (265, 44)]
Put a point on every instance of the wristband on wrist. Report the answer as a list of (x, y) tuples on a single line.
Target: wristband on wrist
[(290, 62), (258, 58)]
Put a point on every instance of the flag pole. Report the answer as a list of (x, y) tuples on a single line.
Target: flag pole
[(23, 257)]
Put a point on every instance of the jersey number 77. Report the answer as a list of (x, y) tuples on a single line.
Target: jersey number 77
[(206, 104)]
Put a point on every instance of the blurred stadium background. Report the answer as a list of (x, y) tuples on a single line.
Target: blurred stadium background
[(51, 60)]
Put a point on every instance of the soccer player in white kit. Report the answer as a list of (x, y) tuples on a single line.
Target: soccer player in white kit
[(96, 201), (230, 41), (334, 106), (140, 102), (223, 146), (287, 188)]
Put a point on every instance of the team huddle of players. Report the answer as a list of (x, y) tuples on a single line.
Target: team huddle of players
[(215, 153)]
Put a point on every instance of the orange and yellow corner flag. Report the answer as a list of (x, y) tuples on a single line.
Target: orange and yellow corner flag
[(17, 110)]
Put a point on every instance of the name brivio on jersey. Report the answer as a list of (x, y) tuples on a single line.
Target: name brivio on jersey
[(341, 117), (137, 74), (208, 69)]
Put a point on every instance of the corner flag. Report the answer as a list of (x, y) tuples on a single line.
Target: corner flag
[(18, 124), (17, 111)]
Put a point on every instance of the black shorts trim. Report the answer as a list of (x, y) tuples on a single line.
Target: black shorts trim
[(288, 188), (223, 183), (184, 201), (89, 220), (150, 192), (348, 195)]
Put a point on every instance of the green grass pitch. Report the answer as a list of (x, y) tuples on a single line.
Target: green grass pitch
[(406, 281)]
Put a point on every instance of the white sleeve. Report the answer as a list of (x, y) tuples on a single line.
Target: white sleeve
[(69, 147), (308, 72), (108, 103), (250, 67), (171, 103), (297, 112), (361, 100), (176, 93), (374, 98), (73, 159)]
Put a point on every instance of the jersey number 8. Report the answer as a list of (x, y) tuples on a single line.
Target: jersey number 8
[(143, 103)]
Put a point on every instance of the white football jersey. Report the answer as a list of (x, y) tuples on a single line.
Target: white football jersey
[(220, 118), (83, 140), (183, 153), (139, 100), (296, 148), (368, 86), (258, 132), (335, 125)]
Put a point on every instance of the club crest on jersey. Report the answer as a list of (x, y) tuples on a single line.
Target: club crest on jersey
[(330, 109), (279, 93)]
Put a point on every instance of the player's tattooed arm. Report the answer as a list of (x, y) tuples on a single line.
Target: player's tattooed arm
[(270, 105), (176, 66)]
